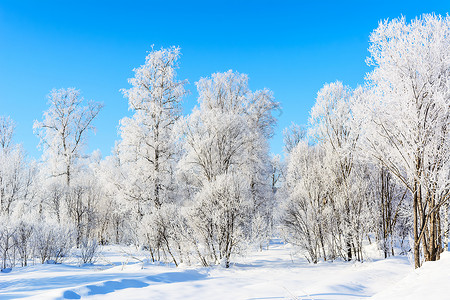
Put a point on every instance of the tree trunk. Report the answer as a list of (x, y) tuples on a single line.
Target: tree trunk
[(446, 226), (416, 229)]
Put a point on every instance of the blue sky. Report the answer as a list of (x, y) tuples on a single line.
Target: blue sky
[(290, 47)]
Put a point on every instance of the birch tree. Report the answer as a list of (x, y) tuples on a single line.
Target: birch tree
[(147, 150)]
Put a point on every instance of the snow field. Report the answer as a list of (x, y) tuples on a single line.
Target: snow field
[(271, 274)]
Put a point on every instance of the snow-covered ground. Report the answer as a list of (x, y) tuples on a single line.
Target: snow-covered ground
[(270, 274)]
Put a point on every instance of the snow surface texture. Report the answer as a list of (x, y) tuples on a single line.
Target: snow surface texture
[(271, 274)]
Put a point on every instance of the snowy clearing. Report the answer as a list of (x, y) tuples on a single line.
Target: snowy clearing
[(270, 274)]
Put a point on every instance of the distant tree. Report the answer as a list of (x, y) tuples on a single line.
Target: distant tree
[(332, 127), (292, 136), (16, 173), (7, 127), (63, 131), (305, 213)]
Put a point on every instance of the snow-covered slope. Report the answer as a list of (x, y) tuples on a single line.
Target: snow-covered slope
[(270, 274), (431, 281)]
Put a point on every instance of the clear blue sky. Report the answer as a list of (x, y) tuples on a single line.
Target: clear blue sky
[(290, 47)]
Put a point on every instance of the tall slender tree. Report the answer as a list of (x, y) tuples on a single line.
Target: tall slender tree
[(147, 151)]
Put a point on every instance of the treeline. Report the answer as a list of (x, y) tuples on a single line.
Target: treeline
[(372, 165), (186, 189)]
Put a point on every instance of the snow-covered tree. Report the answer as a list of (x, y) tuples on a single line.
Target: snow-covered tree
[(305, 213), (64, 129), (16, 172), (147, 152), (332, 128), (226, 163), (66, 185), (391, 212), (112, 212), (293, 135), (147, 149), (407, 117), (7, 127)]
